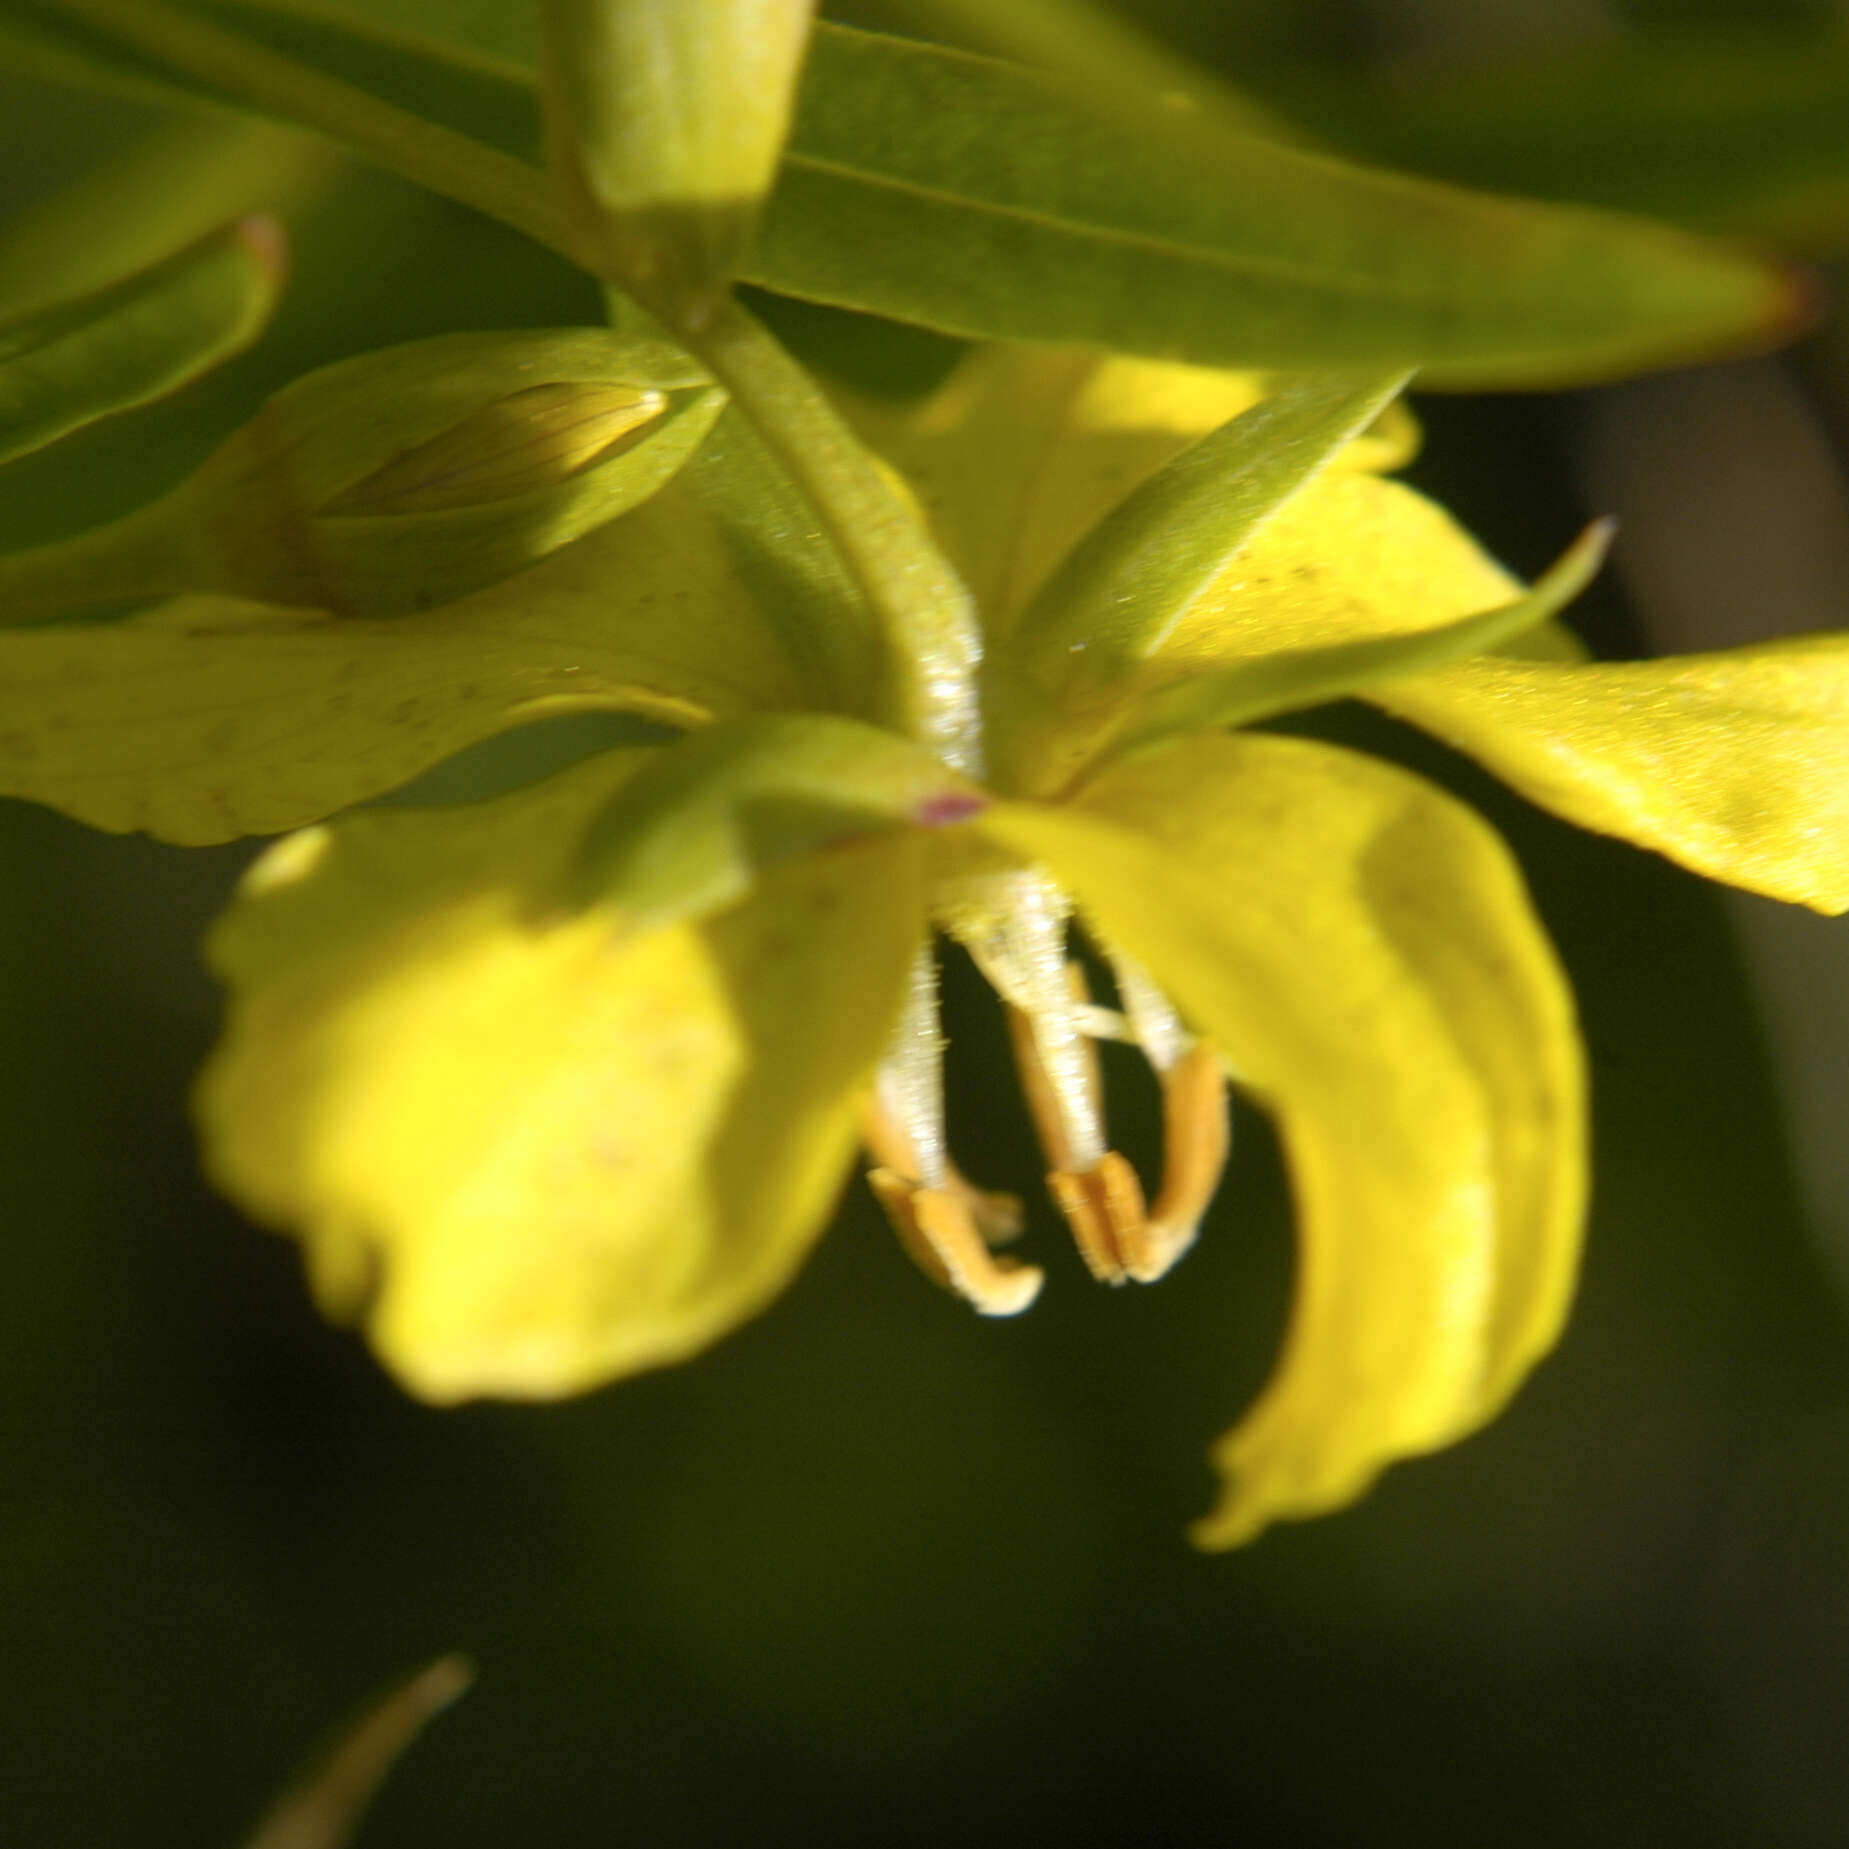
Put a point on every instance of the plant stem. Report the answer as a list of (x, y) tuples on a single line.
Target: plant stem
[(921, 607), (439, 159)]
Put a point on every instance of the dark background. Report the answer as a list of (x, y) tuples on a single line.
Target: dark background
[(876, 1570)]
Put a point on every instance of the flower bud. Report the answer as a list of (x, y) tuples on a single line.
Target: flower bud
[(665, 122), (408, 477)]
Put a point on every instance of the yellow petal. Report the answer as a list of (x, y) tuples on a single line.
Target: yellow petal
[(533, 1150), (1362, 950), (1350, 558), (1026, 449), (209, 718), (1735, 764)]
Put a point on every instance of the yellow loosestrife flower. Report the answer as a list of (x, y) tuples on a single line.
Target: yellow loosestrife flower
[(564, 1085)]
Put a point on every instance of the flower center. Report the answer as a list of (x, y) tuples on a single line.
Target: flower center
[(1013, 922)]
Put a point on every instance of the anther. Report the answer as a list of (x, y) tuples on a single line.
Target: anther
[(997, 1217), (938, 1228), (1195, 1141), (1103, 1207)]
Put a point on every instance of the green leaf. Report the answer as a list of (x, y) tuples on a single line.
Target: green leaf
[(980, 198), (1742, 131), (693, 829), (146, 336), (984, 199)]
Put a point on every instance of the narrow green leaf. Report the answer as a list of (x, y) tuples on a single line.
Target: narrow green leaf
[(140, 339), (983, 199), (1118, 67), (986, 200)]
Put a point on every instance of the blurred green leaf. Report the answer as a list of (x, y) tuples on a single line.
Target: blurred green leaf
[(1732, 131), (323, 1808), (140, 339), (187, 176), (983, 199)]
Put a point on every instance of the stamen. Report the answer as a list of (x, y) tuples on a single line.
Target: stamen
[(936, 1227), (944, 1222), (1050, 1111), (997, 1217), (1021, 948), (1154, 1023), (1103, 1205), (911, 1077), (1102, 1201), (1195, 1140), (1014, 925)]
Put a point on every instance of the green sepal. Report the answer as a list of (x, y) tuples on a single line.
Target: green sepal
[(690, 833), (1121, 590), (1268, 686), (70, 364)]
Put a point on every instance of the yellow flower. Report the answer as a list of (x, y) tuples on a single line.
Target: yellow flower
[(564, 1085)]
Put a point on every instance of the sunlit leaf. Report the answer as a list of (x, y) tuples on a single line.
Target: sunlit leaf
[(979, 198)]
